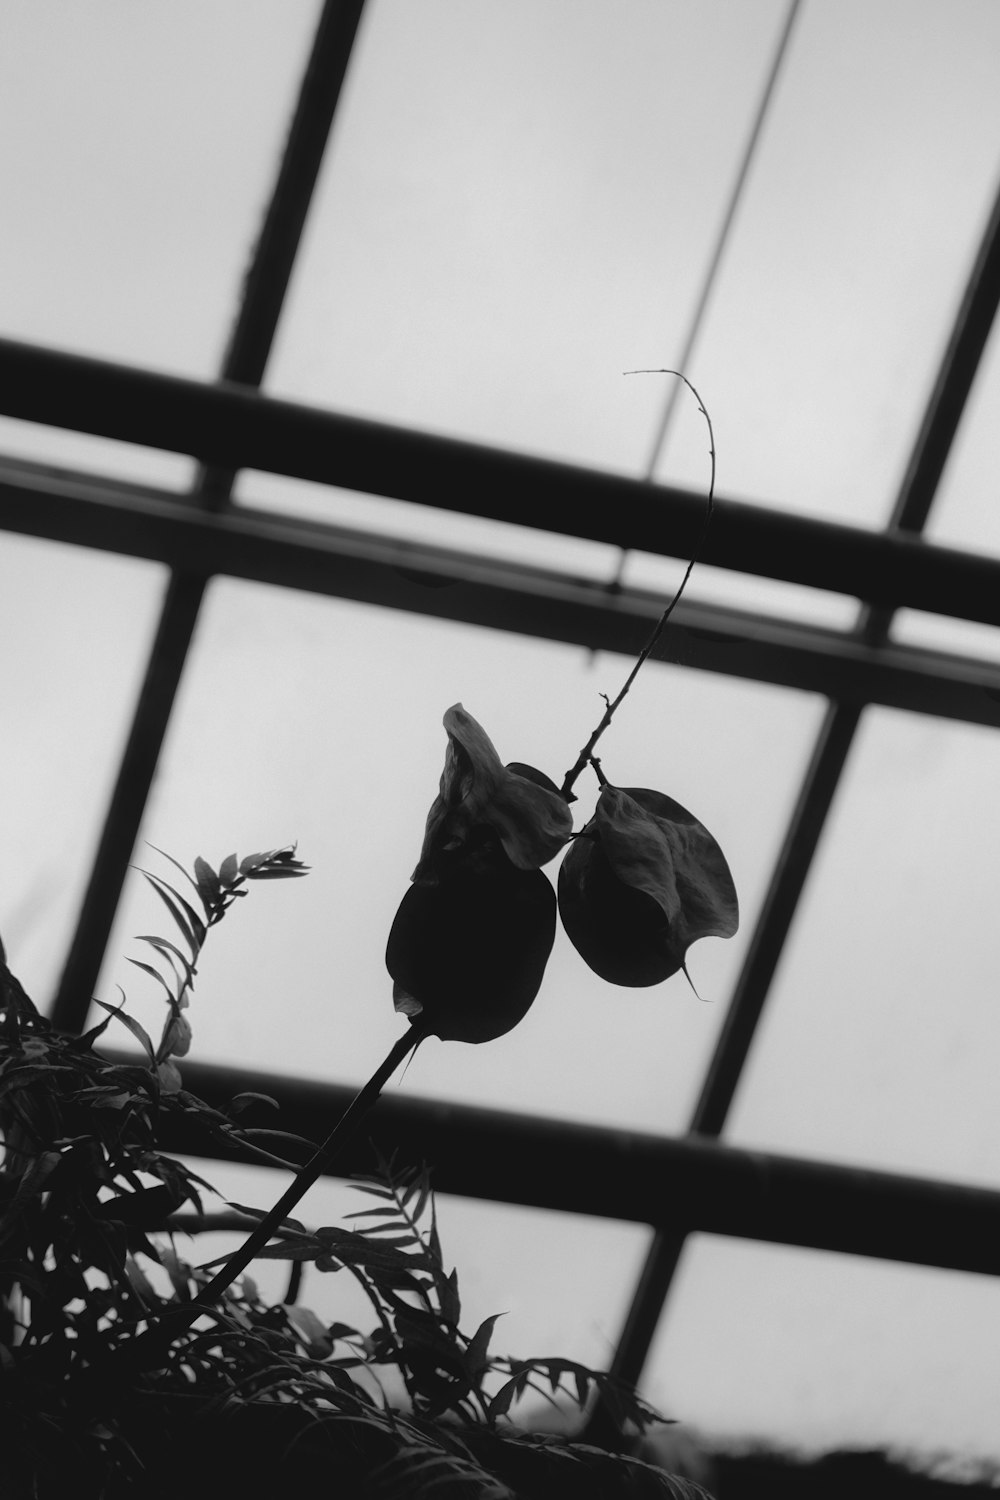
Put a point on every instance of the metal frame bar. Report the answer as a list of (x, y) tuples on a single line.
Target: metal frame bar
[(473, 589), (245, 359), (929, 455), (236, 428), (689, 1184), (697, 1183)]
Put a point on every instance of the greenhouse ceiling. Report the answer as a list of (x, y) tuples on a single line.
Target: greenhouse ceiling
[(315, 321)]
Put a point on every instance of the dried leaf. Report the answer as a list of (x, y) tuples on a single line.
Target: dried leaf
[(520, 805), (641, 883)]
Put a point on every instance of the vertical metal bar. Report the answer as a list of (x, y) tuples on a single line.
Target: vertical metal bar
[(722, 238), (245, 360), (930, 452)]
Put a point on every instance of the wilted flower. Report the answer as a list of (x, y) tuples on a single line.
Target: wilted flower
[(521, 805), (470, 941), (468, 952), (642, 882)]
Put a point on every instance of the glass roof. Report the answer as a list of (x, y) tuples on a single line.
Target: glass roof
[(282, 687), (146, 144), (766, 1339), (518, 204), (59, 755), (885, 994)]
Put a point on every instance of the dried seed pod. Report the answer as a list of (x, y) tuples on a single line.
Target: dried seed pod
[(642, 882), (467, 950)]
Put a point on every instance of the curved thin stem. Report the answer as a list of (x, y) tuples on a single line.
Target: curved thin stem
[(175, 1319), (313, 1169), (585, 757)]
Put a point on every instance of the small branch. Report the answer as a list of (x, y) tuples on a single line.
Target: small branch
[(596, 765), (313, 1169), (294, 1283), (156, 1342), (586, 756)]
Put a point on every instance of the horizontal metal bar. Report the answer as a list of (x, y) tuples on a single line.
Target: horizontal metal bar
[(233, 427), (453, 585), (682, 1185), (281, 231)]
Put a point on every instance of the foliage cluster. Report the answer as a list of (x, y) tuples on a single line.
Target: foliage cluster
[(239, 1390), (641, 881)]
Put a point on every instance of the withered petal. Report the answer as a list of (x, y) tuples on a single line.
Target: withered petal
[(530, 818)]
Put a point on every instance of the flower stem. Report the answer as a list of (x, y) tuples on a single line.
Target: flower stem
[(180, 1316), (313, 1168), (585, 757)]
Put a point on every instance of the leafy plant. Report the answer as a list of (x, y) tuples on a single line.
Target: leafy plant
[(90, 1212), (96, 1359)]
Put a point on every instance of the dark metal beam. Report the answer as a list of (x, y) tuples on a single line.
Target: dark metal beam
[(244, 361), (471, 589), (684, 1185), (274, 254), (233, 427)]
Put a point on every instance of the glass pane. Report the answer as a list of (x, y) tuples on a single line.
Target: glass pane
[(862, 215), (312, 719), (77, 627), (880, 1040), (142, 144), (812, 1352), (94, 455), (493, 278), (519, 206), (913, 627)]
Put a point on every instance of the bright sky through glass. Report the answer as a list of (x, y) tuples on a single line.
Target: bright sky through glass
[(519, 203), (311, 719), (68, 680)]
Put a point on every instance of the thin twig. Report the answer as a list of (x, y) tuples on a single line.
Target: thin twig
[(586, 756), (157, 1340), (313, 1169)]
